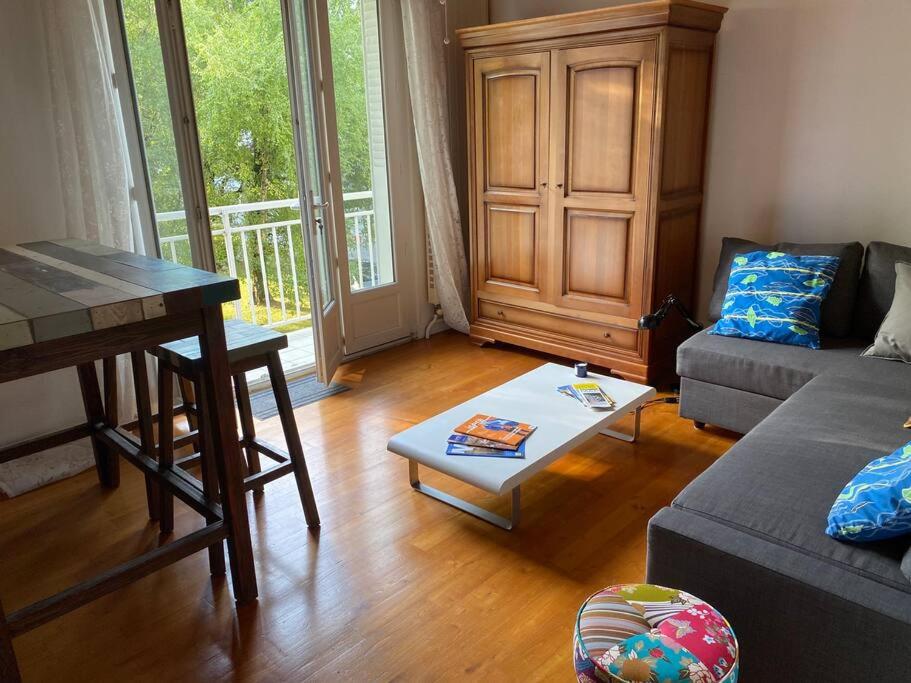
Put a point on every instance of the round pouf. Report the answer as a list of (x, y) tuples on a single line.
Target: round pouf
[(639, 632)]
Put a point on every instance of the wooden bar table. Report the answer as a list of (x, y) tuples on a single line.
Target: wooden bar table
[(69, 303)]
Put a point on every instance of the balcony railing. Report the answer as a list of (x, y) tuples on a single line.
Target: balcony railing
[(268, 257)]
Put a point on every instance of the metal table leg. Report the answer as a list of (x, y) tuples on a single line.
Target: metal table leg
[(628, 438), (464, 505)]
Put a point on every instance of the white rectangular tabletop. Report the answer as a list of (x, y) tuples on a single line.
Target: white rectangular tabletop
[(562, 423)]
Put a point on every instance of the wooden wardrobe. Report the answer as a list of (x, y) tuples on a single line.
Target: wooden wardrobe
[(586, 136)]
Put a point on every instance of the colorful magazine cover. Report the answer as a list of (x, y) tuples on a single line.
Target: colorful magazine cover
[(496, 429), (460, 449), (592, 395), (466, 440)]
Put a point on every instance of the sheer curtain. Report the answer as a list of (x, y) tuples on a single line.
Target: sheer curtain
[(423, 21), (95, 172)]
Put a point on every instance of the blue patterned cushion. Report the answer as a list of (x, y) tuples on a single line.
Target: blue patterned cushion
[(773, 296), (876, 503)]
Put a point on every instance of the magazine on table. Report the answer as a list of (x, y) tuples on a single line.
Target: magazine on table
[(497, 429), (478, 451), (466, 440), (589, 394)]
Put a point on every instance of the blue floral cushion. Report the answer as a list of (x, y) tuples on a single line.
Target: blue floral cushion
[(876, 503), (776, 297)]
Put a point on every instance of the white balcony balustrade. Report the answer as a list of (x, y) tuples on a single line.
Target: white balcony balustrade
[(268, 257)]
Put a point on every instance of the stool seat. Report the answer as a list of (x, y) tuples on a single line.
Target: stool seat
[(249, 347), (245, 341), (640, 632)]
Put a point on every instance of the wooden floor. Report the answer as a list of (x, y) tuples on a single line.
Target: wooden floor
[(395, 586)]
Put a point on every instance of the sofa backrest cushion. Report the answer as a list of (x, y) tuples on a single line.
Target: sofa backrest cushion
[(877, 286), (838, 307)]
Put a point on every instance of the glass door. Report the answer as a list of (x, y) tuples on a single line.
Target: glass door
[(238, 75), (306, 78)]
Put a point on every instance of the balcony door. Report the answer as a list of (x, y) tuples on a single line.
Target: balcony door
[(262, 169), (310, 110)]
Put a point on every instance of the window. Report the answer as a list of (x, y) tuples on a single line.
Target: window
[(357, 74)]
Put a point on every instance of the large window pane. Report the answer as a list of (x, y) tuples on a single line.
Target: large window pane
[(357, 75), (157, 132)]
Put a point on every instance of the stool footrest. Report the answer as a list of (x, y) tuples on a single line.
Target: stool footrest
[(258, 480), (267, 449), (177, 482)]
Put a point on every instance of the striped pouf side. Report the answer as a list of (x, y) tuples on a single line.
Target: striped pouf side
[(639, 632)]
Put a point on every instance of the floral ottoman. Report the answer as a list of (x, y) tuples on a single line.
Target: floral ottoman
[(638, 632)]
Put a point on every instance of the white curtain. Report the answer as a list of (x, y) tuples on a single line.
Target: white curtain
[(423, 21), (95, 172)]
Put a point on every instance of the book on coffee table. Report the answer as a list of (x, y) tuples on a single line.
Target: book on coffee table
[(497, 429), (477, 442), (461, 449)]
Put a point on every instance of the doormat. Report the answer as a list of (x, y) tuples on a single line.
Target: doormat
[(303, 391)]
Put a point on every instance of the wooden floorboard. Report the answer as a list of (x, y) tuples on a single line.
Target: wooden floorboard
[(395, 586)]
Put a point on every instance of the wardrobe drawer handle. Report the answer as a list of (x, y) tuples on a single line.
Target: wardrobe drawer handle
[(607, 335), (501, 313)]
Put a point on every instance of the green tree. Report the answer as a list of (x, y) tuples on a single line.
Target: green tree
[(240, 88)]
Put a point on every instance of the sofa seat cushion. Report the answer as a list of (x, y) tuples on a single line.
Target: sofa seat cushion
[(774, 370), (779, 482)]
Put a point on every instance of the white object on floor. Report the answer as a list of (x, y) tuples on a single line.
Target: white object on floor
[(32, 472), (562, 424)]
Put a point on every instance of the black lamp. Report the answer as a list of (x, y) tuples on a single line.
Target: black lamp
[(651, 321)]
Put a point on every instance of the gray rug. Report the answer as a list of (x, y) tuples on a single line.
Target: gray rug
[(303, 391)]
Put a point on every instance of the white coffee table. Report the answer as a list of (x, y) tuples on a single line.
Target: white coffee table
[(562, 424)]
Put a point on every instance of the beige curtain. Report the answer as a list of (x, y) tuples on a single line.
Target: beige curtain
[(423, 21), (95, 180), (95, 171)]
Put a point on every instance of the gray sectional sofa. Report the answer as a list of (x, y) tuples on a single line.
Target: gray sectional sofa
[(748, 534)]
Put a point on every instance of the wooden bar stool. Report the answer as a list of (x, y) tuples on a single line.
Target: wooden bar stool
[(249, 347)]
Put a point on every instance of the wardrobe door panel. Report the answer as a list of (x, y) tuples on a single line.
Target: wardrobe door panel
[(594, 240), (512, 245), (600, 150), (603, 110), (510, 126)]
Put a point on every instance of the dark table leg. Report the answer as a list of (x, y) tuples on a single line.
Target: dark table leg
[(146, 430), (9, 670), (165, 444), (223, 443), (209, 473), (106, 462), (109, 372)]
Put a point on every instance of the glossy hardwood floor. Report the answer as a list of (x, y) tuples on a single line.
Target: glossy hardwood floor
[(395, 586)]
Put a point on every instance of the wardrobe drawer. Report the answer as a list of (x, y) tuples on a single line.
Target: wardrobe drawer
[(609, 335)]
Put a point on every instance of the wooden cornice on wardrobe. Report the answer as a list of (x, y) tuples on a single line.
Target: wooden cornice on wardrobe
[(682, 13)]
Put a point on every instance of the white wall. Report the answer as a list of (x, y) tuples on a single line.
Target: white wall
[(810, 132), (32, 205)]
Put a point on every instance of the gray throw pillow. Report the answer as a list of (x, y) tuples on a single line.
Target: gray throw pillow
[(877, 286), (893, 340), (838, 307)]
